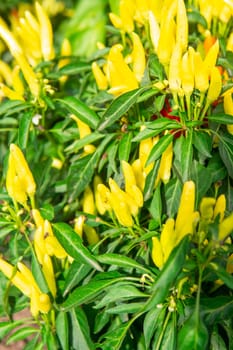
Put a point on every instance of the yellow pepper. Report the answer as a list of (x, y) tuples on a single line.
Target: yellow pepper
[(46, 33), (228, 109), (91, 234), (88, 201), (48, 271), (174, 75), (220, 207), (121, 210), (201, 76), (22, 170), (138, 57), (11, 94), (168, 238), (184, 220), (100, 205), (215, 85), (5, 72), (211, 57), (17, 83), (157, 253), (130, 183), (78, 225), (187, 74), (225, 227), (181, 25), (207, 208), (166, 164), (104, 194), (100, 77), (154, 31)]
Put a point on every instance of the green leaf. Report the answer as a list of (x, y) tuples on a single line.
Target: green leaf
[(79, 144), (115, 337), (159, 148), (24, 128), (38, 274), (86, 293), (119, 292), (81, 338), (75, 274), (202, 177), (20, 334), (156, 206), (125, 146), (217, 342), (81, 110), (74, 68), (222, 274), (125, 308), (7, 327), (202, 142), (172, 194), (216, 309), (196, 17), (10, 105), (163, 123), (118, 107), (221, 118), (152, 321), (62, 330), (73, 245), (150, 182), (186, 156), (226, 153), (122, 261), (146, 133), (193, 335), (216, 168), (81, 173), (169, 336), (167, 277)]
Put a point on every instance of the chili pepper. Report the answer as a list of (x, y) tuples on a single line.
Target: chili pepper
[(181, 25), (154, 31), (229, 46), (168, 238), (166, 164), (187, 74), (5, 72), (157, 253), (28, 276), (9, 39), (138, 57), (139, 174), (11, 94), (32, 21), (208, 42), (121, 210), (130, 183), (116, 21), (220, 207), (104, 193), (201, 76), (17, 82), (53, 247), (48, 271), (100, 77), (166, 41), (88, 201), (39, 221), (13, 184), (215, 85), (40, 302), (15, 276), (126, 14), (91, 234), (207, 208), (174, 75), (123, 197), (145, 146), (211, 57), (228, 109), (22, 170), (78, 225), (100, 205), (39, 244), (46, 33), (225, 227), (184, 219)]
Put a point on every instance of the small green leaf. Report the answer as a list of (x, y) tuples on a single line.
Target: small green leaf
[(186, 156), (114, 338), (38, 274), (73, 245), (203, 143), (122, 261), (118, 107), (125, 308), (193, 335), (150, 182), (81, 338), (156, 206), (24, 128), (159, 148), (87, 293), (226, 153), (81, 110), (10, 105), (172, 194), (221, 118), (153, 320), (125, 146), (196, 17), (79, 144), (74, 68), (75, 274), (20, 334), (6, 327), (62, 330)]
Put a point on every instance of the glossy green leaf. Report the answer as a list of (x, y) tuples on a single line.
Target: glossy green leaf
[(86, 293), (222, 274), (159, 148), (217, 342), (196, 17), (118, 107), (73, 245), (226, 153), (146, 133), (115, 337), (193, 334), (7, 327), (153, 320), (81, 338), (221, 118), (203, 143), (202, 177), (74, 68), (122, 261), (38, 274), (156, 206), (169, 337), (81, 110), (216, 309), (186, 156), (125, 146), (150, 182), (9, 105), (24, 128), (79, 144), (172, 194), (21, 333), (125, 308), (75, 274), (169, 273), (62, 330)]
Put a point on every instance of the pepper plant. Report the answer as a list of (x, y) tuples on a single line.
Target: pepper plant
[(116, 194)]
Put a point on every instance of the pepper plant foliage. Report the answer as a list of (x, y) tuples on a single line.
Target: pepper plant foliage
[(116, 174)]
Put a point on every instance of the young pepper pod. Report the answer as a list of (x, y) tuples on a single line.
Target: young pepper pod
[(181, 25), (225, 227), (157, 253), (138, 57), (166, 164), (220, 207), (215, 86), (130, 183)]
